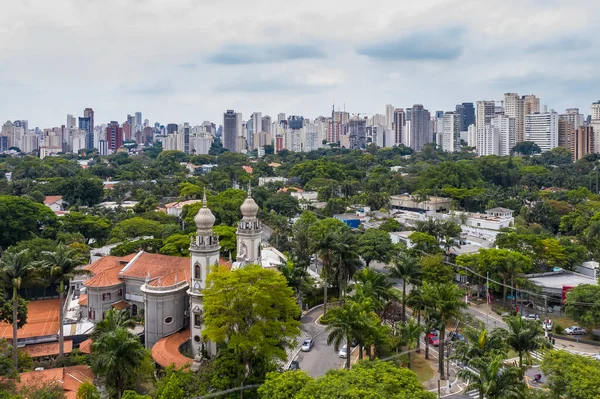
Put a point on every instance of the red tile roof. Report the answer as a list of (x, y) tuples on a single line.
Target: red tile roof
[(42, 319), (121, 305), (51, 199), (106, 271), (86, 346), (47, 349), (70, 378), (248, 169), (166, 351), (157, 265), (83, 300)]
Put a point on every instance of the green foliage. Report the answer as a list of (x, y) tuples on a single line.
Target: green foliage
[(253, 310), (524, 337), (22, 219), (136, 227), (284, 385), (130, 394), (225, 206), (283, 204), (375, 245), (87, 390), (571, 376), (424, 242), (526, 148), (494, 380), (390, 225), (227, 239), (583, 305), (434, 270), (177, 245), (51, 390), (152, 245), (82, 190), (91, 227)]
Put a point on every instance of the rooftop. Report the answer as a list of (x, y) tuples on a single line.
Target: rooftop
[(70, 378), (47, 349), (558, 280), (156, 265), (166, 351), (181, 204), (51, 199), (42, 319)]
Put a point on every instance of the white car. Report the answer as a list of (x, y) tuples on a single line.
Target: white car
[(547, 325), (531, 317), (575, 330), (344, 352), (307, 345), (596, 357)]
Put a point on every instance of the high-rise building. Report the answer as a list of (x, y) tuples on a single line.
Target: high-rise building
[(71, 121), (505, 129), (565, 133), (466, 113), (488, 141), (114, 136), (531, 104), (582, 142), (88, 125), (450, 132), (389, 116), (256, 119), (596, 110), (485, 111), (357, 130), (281, 117), (420, 132), (573, 118), (266, 124), (542, 129), (232, 129), (138, 120), (172, 128), (514, 108), (398, 124)]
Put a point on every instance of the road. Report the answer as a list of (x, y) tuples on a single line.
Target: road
[(322, 357)]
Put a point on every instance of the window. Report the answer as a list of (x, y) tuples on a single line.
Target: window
[(134, 310), (106, 297), (198, 320), (197, 338), (168, 320), (120, 292), (197, 272)]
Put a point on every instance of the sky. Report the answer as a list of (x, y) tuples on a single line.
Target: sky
[(190, 60)]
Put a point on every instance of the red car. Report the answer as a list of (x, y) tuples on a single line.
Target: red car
[(434, 338)]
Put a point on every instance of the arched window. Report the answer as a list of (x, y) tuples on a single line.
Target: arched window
[(197, 272), (198, 319)]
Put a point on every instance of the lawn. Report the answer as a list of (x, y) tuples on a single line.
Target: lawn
[(420, 366)]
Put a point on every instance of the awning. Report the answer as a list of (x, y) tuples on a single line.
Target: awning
[(121, 305)]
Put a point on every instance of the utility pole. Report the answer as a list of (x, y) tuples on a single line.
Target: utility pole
[(487, 298)]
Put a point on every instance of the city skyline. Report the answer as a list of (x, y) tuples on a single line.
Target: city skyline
[(298, 65)]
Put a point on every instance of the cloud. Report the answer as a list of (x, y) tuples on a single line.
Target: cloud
[(561, 45), (156, 88), (290, 81), (440, 45), (262, 54)]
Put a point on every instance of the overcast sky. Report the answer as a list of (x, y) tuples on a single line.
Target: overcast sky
[(190, 60)]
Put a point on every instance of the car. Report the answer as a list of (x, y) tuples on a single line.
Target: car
[(547, 325), (434, 338), (354, 343), (531, 317), (344, 352), (456, 336), (575, 330), (307, 345), (294, 365), (596, 356)]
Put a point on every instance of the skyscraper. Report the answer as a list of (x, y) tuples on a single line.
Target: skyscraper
[(466, 113), (596, 110), (71, 121), (420, 133), (138, 119), (504, 129), (542, 129), (114, 136), (582, 142), (398, 124), (485, 111), (266, 124), (88, 116), (232, 129), (389, 116), (531, 104), (357, 130), (514, 108), (450, 139)]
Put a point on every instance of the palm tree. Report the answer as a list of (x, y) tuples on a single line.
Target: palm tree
[(410, 335), (417, 301), (60, 266), (510, 268), (523, 337), (407, 268), (297, 279), (375, 286), (347, 258), (343, 322), (113, 320), (479, 343), (117, 355), (325, 246), (15, 267), (446, 300), (492, 379)]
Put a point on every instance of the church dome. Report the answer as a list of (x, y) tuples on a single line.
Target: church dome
[(249, 208), (204, 219)]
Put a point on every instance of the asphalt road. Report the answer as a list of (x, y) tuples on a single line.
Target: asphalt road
[(322, 357)]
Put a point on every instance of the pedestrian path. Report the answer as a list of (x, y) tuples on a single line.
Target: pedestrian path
[(473, 394), (537, 356)]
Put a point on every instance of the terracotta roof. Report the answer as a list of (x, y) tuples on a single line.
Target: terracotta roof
[(181, 204), (157, 265), (274, 164), (106, 271), (86, 346), (70, 378), (248, 169), (83, 300), (290, 189), (121, 305), (51, 199), (166, 351), (42, 319), (225, 262), (47, 349)]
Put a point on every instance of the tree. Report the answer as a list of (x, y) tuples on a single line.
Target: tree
[(523, 337), (177, 245), (14, 269), (113, 320), (61, 266), (423, 242), (526, 148), (297, 278), (284, 385), (435, 270), (227, 238), (375, 286), (253, 310), (117, 356), (343, 322), (446, 301), (82, 190), (8, 372), (136, 227), (91, 227), (368, 379), (492, 379), (283, 204), (480, 344), (376, 245), (405, 267), (583, 305), (22, 219), (390, 225), (346, 258), (87, 390), (302, 243), (571, 376), (409, 334)]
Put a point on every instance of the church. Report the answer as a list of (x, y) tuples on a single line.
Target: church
[(166, 291)]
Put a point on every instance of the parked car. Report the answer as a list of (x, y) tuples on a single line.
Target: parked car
[(575, 330), (547, 325), (434, 338), (456, 336), (294, 365), (344, 352), (596, 356), (307, 345), (531, 317)]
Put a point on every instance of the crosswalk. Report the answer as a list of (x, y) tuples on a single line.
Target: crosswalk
[(537, 356), (473, 394)]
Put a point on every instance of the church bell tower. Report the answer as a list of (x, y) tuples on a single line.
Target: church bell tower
[(249, 233)]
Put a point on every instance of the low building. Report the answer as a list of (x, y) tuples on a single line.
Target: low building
[(412, 203), (266, 180), (69, 378), (305, 197), (54, 202), (116, 205), (401, 237), (176, 208), (350, 219), (556, 284)]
